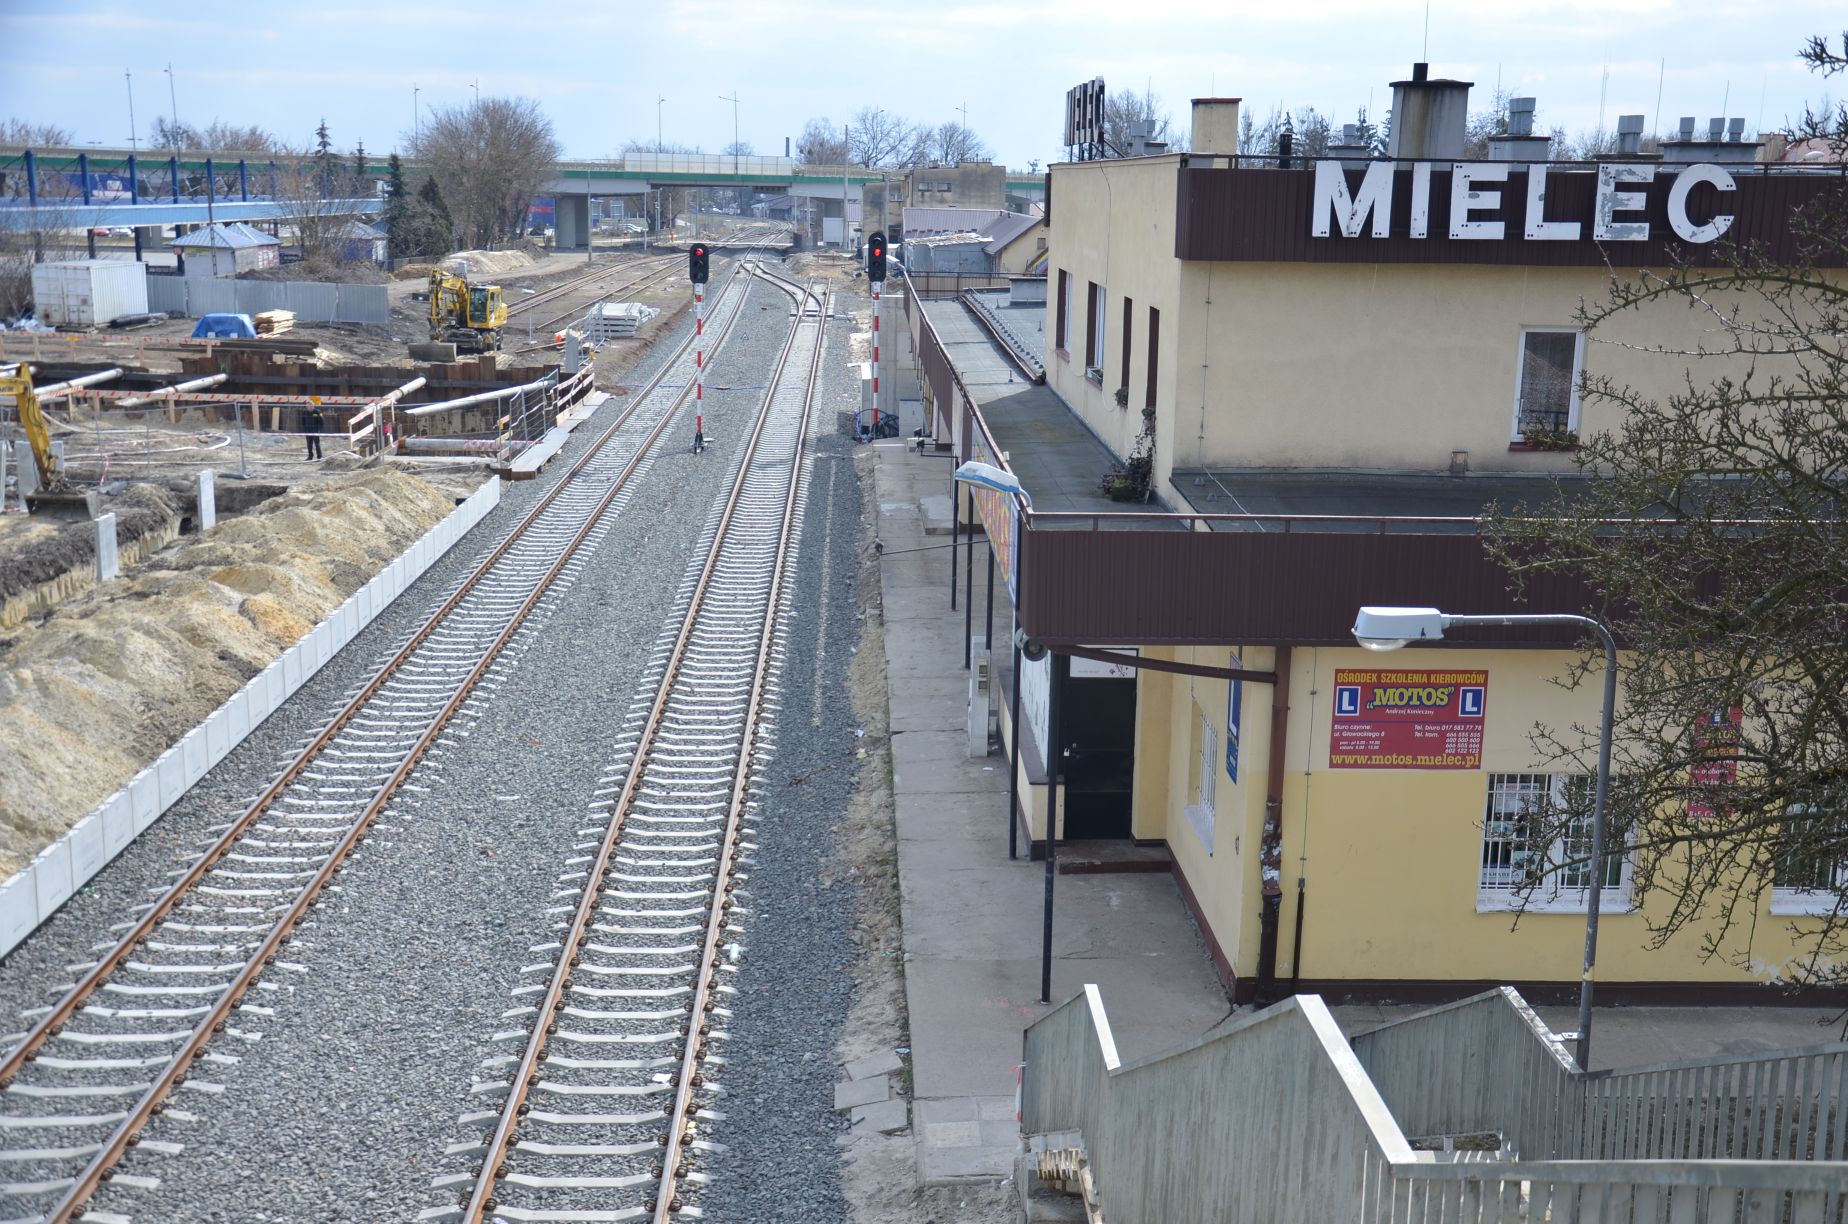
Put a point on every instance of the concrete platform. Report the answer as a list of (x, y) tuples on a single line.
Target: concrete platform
[(972, 916)]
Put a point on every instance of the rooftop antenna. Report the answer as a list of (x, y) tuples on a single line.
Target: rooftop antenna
[(1759, 127), (1603, 86), (1426, 55), (1725, 99), (1655, 124)]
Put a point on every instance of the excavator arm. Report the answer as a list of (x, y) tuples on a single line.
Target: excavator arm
[(16, 382)]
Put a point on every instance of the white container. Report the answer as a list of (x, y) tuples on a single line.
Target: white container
[(88, 292)]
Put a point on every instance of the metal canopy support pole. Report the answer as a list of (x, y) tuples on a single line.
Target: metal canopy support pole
[(1013, 772), (989, 639), (1061, 667), (969, 582), (955, 539)]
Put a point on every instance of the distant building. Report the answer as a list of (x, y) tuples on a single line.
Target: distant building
[(362, 243), (226, 249)]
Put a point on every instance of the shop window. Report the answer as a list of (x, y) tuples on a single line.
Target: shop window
[(1808, 879), (1536, 845), (1062, 321), (1547, 389)]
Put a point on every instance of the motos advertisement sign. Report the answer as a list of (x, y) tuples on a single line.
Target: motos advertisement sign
[(1408, 719)]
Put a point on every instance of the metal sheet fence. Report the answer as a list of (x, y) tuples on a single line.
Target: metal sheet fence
[(312, 301)]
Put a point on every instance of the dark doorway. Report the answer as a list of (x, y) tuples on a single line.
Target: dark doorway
[(1097, 721)]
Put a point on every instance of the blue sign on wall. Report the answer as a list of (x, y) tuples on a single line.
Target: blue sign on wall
[(1235, 700)]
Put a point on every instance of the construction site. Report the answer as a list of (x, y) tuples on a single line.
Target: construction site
[(323, 450)]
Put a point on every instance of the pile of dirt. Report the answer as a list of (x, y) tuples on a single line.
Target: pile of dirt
[(110, 681), (350, 272), (478, 264)]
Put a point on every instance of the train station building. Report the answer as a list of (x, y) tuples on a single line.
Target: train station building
[(1258, 396)]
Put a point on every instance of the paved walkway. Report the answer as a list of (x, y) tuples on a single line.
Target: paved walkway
[(972, 917)]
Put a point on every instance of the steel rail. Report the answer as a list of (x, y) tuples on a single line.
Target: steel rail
[(192, 1048), (679, 1123), (495, 1149)]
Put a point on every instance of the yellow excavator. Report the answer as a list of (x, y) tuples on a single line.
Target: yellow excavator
[(468, 316), (54, 496)]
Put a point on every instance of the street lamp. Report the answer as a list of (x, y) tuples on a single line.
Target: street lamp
[(1391, 628)]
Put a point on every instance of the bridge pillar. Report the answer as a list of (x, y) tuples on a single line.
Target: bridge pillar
[(571, 221)]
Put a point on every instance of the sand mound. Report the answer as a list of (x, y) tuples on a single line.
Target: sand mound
[(478, 264), (112, 680)]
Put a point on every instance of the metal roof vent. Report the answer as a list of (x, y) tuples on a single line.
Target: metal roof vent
[(1735, 129), (1629, 134), (1716, 130), (1520, 116), (1687, 127)]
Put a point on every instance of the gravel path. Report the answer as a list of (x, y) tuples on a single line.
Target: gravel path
[(354, 1090), (795, 983)]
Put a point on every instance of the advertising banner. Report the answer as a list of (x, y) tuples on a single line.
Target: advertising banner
[(1717, 738), (1000, 514), (1408, 719)]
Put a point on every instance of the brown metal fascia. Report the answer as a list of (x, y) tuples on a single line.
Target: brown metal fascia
[(1145, 663)]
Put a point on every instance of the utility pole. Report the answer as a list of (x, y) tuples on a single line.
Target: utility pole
[(416, 115), (734, 101), (845, 139), (659, 103), (173, 100), (132, 144)]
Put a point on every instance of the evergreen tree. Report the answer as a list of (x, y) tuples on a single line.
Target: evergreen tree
[(323, 158), (399, 209), (361, 180)]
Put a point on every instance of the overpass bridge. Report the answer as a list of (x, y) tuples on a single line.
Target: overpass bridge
[(65, 188)]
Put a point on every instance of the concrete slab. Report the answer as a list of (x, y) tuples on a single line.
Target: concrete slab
[(886, 1117), (885, 1062), (857, 1092)]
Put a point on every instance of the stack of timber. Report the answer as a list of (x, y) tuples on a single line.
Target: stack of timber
[(274, 322)]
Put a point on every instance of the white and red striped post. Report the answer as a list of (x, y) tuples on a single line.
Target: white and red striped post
[(877, 286), (699, 367)]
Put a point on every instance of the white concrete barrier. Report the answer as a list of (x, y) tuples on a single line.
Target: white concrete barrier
[(48, 881)]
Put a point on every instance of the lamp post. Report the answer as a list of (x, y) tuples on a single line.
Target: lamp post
[(173, 101), (1378, 628), (733, 99)]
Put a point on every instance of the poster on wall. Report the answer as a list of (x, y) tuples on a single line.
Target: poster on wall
[(1716, 739), (1235, 701), (1408, 719)]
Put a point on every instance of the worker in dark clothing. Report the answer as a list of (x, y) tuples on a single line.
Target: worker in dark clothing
[(313, 423)]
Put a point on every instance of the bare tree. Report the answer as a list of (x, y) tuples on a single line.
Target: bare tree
[(821, 144), (216, 137), (1309, 133), (34, 135), (950, 143), (739, 148), (881, 138), (320, 220), (1124, 110), (1713, 532), (54, 232), (490, 158)]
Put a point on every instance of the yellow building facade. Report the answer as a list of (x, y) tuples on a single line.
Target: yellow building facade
[(1415, 372)]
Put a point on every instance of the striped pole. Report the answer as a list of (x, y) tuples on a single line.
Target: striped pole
[(877, 286), (699, 367)]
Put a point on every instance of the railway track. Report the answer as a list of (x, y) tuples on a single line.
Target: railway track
[(611, 1072), (194, 967)]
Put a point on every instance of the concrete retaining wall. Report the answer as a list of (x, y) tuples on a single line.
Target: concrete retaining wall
[(35, 893)]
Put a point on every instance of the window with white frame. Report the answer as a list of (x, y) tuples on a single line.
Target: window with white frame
[(1546, 395), (1807, 879), (1062, 313), (1536, 844), (1206, 773)]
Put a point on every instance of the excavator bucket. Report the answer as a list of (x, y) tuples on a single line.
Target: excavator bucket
[(63, 504)]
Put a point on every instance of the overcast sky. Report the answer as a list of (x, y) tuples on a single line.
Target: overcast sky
[(598, 69)]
